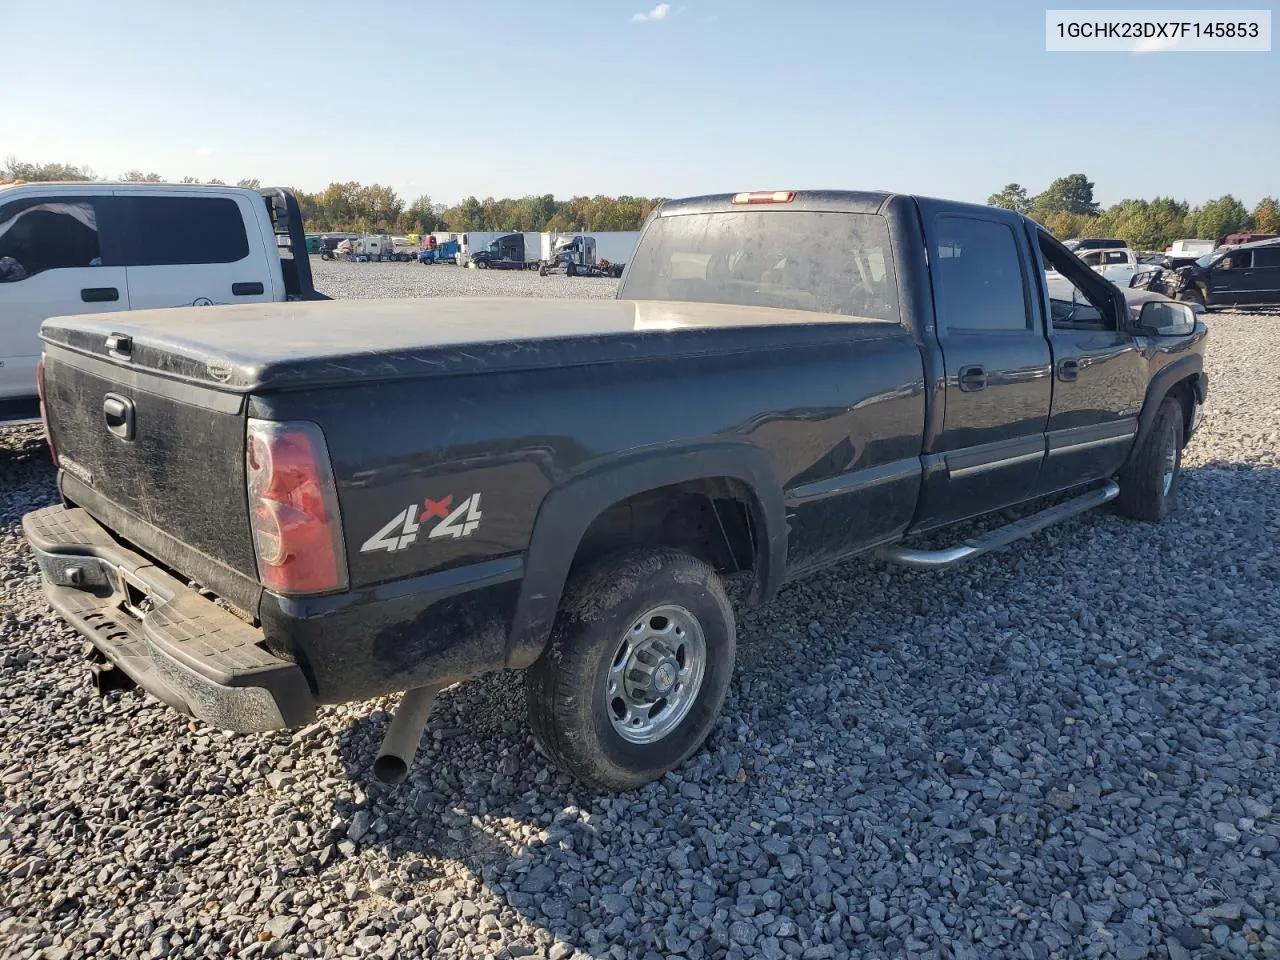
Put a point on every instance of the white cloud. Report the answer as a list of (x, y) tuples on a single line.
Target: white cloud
[(1156, 44), (657, 13), (205, 152)]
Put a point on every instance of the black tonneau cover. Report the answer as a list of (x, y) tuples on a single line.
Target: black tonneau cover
[(279, 346)]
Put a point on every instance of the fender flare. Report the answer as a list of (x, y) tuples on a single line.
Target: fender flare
[(1189, 367), (570, 508)]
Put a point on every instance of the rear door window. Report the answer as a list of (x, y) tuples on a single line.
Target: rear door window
[(40, 234), (977, 276), (1266, 257), (833, 263), (182, 230)]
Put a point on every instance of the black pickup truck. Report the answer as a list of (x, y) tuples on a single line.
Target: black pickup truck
[(273, 506)]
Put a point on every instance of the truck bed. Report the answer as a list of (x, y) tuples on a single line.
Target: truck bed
[(273, 346)]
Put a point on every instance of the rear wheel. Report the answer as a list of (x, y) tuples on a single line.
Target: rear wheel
[(1149, 483), (636, 670)]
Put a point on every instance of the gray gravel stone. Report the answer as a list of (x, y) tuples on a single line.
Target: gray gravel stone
[(1080, 730)]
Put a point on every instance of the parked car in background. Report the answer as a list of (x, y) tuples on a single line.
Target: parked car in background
[(1230, 276), (1093, 243), (69, 248), (1118, 265)]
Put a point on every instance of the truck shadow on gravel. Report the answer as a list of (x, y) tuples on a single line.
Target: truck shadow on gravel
[(954, 732)]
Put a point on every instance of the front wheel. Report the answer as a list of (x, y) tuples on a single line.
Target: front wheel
[(1149, 483), (1193, 295), (636, 670)]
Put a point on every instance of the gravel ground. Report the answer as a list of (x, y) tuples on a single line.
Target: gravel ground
[(1068, 749), (342, 279)]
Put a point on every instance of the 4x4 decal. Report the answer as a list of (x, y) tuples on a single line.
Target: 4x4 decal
[(403, 530)]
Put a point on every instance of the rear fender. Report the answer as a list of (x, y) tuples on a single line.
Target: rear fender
[(569, 509)]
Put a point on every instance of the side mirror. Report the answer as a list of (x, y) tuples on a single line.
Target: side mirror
[(1167, 318)]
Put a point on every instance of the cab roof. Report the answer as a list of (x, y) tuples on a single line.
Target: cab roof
[(809, 201), (80, 186), (838, 201)]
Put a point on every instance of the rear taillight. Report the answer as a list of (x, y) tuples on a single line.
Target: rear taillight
[(44, 413), (293, 509)]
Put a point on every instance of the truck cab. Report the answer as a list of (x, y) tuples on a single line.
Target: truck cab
[(91, 247), (514, 251)]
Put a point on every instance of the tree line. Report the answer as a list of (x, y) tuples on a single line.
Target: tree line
[(1067, 209), (374, 208)]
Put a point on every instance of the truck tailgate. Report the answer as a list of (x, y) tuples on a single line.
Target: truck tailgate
[(159, 461)]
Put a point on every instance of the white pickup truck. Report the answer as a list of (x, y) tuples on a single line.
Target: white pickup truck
[(1118, 264), (94, 247)]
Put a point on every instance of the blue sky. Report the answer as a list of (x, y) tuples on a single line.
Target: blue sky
[(508, 98)]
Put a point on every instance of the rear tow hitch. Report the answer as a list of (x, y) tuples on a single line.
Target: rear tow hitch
[(106, 676)]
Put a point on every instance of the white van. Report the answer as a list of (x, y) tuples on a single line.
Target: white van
[(93, 247)]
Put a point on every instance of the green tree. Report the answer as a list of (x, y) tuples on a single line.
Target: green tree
[(468, 215), (15, 169), (420, 216), (1266, 216), (189, 180), (137, 176), (1012, 197), (1147, 225), (1072, 193), (1219, 217), (253, 183)]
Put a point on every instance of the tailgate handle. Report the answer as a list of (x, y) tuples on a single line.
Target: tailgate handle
[(118, 412), (247, 289), (99, 294)]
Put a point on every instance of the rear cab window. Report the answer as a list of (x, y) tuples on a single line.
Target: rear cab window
[(823, 262), (168, 231)]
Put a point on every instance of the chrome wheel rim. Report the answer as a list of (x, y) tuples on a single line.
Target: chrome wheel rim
[(655, 674), (1170, 467)]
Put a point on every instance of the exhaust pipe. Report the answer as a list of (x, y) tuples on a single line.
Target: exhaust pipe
[(400, 744)]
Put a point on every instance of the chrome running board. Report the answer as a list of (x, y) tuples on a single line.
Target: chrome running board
[(1001, 536)]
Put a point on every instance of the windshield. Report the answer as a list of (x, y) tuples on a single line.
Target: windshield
[(838, 263), (1209, 259)]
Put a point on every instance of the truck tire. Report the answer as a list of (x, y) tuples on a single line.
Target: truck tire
[(636, 669), (570, 270), (542, 270), (1149, 483)]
